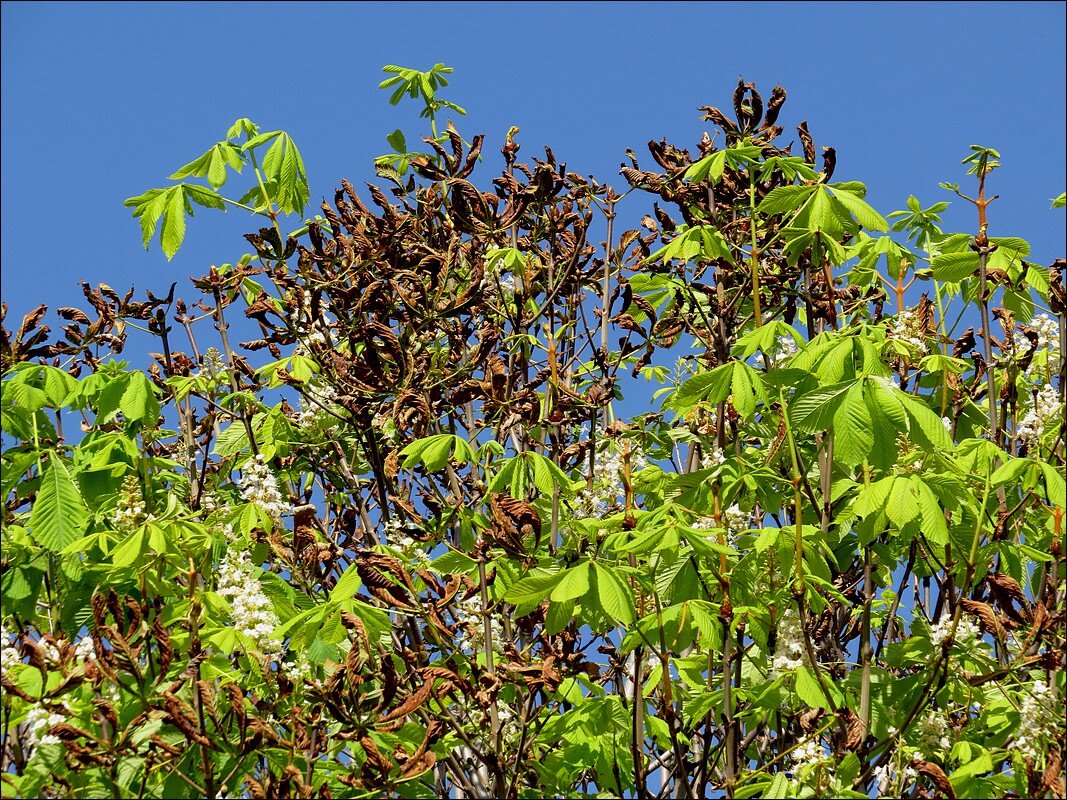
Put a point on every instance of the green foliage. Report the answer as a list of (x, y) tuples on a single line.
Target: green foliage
[(425, 546)]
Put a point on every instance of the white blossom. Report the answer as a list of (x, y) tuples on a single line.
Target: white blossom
[(470, 635), (933, 732), (1038, 721), (1045, 408), (606, 490), (49, 651), (1048, 335), (966, 631), (785, 348), (298, 671), (9, 653), (789, 649), (396, 535), (908, 328), (312, 403), (507, 284), (807, 754), (253, 614), (259, 486), (885, 774), (38, 724), (84, 650), (712, 457), (130, 512), (211, 363), (735, 519)]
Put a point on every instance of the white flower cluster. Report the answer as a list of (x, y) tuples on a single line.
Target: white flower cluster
[(210, 503), (966, 631), (211, 364), (38, 724), (885, 774), (907, 328), (785, 348), (807, 755), (471, 629), (298, 671), (9, 653), (789, 650), (509, 723), (734, 520), (499, 279), (1046, 407), (84, 650), (130, 512), (253, 614), (712, 457), (259, 486), (1048, 334), (604, 495), (311, 409), (310, 332), (1037, 721), (410, 546), (49, 651), (933, 731)]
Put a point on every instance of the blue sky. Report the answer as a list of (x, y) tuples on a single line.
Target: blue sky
[(101, 101)]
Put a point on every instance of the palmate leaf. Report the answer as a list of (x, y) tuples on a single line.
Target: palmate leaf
[(59, 512), (785, 199), (711, 387), (615, 598), (853, 428), (815, 410), (170, 204), (574, 583), (212, 164), (850, 196), (284, 166)]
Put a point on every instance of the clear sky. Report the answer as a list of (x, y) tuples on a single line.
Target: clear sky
[(103, 100)]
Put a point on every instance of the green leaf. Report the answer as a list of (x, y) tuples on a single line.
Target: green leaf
[(865, 215), (853, 428), (615, 598), (785, 199), (780, 787), (533, 588), (212, 164), (815, 410), (173, 232), (204, 197), (573, 584), (903, 504), (59, 512), (954, 267), (284, 166), (546, 473), (139, 401), (808, 689), (712, 387), (347, 585), (711, 166), (433, 452), (873, 498), (925, 426), (129, 551), (931, 514), (823, 217), (1054, 483)]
